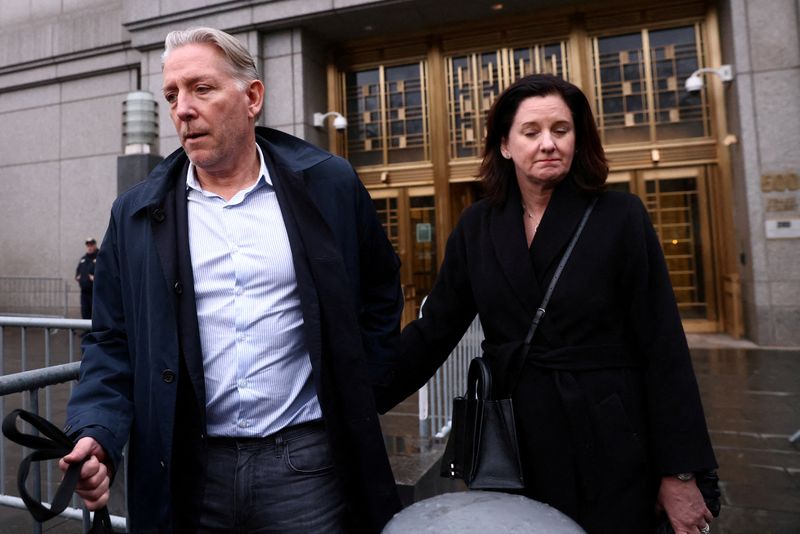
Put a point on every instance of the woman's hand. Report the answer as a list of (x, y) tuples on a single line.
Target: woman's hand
[(684, 505)]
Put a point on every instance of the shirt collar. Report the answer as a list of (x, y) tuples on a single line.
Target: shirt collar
[(263, 174)]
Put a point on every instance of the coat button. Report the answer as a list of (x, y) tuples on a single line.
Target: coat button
[(178, 288), (157, 214), (168, 376)]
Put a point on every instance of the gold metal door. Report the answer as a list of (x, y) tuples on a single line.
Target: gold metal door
[(677, 201), (409, 217)]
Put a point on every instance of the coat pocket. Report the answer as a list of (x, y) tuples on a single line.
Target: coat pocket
[(621, 454)]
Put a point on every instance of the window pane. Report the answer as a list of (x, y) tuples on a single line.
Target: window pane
[(364, 139), (621, 89), (475, 80), (678, 114), (621, 92), (393, 117)]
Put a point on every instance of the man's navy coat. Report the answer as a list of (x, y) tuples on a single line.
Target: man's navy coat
[(142, 373)]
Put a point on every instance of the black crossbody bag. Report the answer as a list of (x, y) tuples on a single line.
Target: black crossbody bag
[(482, 449)]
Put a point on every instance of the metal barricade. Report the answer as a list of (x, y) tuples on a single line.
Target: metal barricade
[(33, 296), (47, 361), (436, 397)]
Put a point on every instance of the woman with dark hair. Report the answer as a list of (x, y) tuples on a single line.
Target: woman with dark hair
[(608, 413)]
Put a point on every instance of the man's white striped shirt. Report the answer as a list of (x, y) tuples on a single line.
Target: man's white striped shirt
[(257, 368)]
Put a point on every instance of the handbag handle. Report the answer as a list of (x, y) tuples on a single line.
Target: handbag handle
[(53, 444), (479, 380)]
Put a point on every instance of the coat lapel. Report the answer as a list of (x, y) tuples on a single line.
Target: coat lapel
[(560, 220), (309, 238), (171, 236), (188, 327), (510, 246)]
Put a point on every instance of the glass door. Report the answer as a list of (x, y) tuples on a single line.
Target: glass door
[(677, 202), (409, 217)]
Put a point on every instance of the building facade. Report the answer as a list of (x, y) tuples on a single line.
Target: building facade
[(717, 168)]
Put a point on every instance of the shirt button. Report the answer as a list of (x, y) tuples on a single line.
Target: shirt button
[(241, 337), (243, 424), (178, 288), (243, 383), (238, 290), (168, 376)]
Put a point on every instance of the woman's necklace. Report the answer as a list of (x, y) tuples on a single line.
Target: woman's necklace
[(531, 216)]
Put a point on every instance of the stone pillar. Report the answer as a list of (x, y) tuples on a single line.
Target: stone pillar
[(764, 110)]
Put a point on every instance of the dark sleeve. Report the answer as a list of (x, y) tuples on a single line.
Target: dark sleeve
[(426, 342), (101, 402), (680, 441), (380, 293)]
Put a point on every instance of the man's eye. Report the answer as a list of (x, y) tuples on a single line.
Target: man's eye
[(170, 98), (202, 89)]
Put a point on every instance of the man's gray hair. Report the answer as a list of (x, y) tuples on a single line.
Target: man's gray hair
[(243, 67)]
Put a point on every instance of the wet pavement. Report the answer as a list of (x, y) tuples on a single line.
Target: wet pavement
[(752, 401), (751, 397)]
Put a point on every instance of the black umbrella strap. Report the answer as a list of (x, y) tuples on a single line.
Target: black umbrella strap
[(52, 444)]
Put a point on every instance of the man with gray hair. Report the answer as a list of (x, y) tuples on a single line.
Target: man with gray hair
[(246, 296)]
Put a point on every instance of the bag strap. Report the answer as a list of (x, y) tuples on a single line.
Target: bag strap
[(53, 444), (540, 311)]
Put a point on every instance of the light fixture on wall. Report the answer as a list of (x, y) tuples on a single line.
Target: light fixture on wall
[(140, 123), (695, 82), (339, 122)]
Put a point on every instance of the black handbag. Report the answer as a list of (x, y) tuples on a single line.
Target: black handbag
[(51, 445), (482, 449)]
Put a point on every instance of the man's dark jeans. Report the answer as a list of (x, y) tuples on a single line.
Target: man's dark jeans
[(282, 484)]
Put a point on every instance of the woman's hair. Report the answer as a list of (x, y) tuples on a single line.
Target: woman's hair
[(589, 165), (241, 63)]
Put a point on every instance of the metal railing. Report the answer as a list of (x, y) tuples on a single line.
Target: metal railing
[(450, 380), (34, 296), (45, 362)]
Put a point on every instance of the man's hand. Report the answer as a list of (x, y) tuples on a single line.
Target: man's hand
[(684, 505), (95, 480)]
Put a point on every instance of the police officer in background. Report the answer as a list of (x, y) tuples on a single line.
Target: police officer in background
[(84, 275)]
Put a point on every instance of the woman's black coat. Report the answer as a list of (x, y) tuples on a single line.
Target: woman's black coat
[(594, 442)]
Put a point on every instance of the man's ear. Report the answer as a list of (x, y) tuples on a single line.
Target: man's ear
[(255, 97)]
